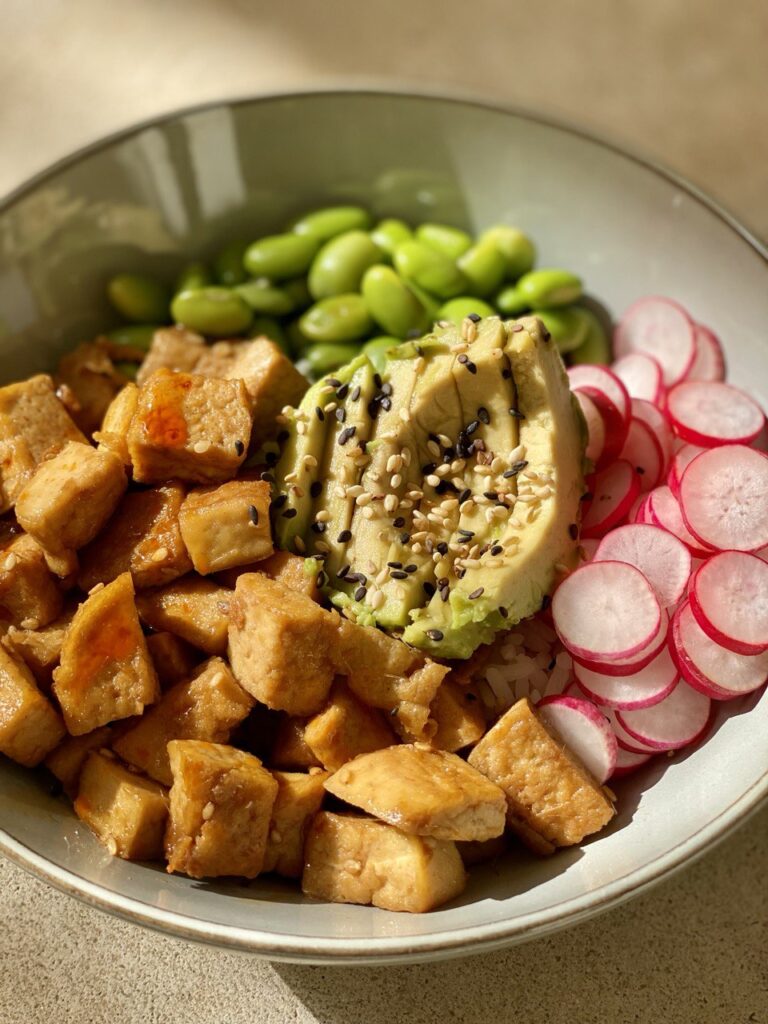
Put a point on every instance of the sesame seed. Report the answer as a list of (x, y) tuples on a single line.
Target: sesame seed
[(369, 512), (253, 515), (429, 588), (503, 613), (377, 600), (360, 593), (290, 513), (343, 391), (316, 489), (343, 572), (445, 594), (396, 480), (344, 537), (10, 562), (390, 503), (319, 413), (435, 634), (404, 538), (201, 447), (298, 543), (333, 382), (397, 523), (301, 428), (516, 413), (364, 499), (279, 501), (239, 447), (331, 407), (471, 367), (323, 516), (476, 593), (411, 568), (208, 811), (341, 415), (346, 434), (398, 574), (432, 480)]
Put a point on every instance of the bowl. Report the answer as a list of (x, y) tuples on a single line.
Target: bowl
[(178, 185)]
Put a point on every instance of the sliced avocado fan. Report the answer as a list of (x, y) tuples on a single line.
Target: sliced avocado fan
[(443, 495)]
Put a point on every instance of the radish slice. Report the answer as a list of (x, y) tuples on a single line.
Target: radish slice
[(590, 378), (627, 761), (660, 556), (710, 413), (643, 689), (723, 498), (662, 329), (659, 424), (584, 730), (588, 547), (606, 611), (681, 461), (709, 361), (642, 451), (664, 511), (675, 722), (636, 510), (729, 599), (710, 668), (614, 491), (629, 666), (623, 738), (595, 426), (761, 441), (641, 375)]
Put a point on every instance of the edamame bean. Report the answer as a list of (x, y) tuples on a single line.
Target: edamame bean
[(341, 263), (298, 291), (337, 319), (549, 287), (510, 302), (451, 242), (264, 297), (215, 311), (377, 348), (323, 358), (322, 225), (194, 275), (228, 264), (430, 269), (596, 348), (567, 326), (128, 370), (392, 304), (459, 308), (139, 298), (280, 256), (133, 335), (484, 267), (268, 327), (517, 249), (390, 233)]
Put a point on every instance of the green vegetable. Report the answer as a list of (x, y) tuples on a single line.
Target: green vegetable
[(298, 291), (517, 249), (134, 335), (325, 224), (451, 242), (264, 297), (280, 256), (216, 311), (320, 359), (341, 263), (393, 305), (127, 369), (139, 298), (484, 267), (268, 327), (597, 347), (194, 275), (390, 233), (376, 349), (228, 264), (337, 319), (430, 269), (510, 302), (549, 287), (567, 325), (462, 306)]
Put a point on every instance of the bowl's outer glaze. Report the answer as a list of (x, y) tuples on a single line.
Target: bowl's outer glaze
[(179, 187)]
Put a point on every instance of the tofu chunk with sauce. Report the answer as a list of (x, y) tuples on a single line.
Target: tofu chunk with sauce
[(290, 749), (195, 609), (290, 570), (67, 760), (29, 594), (174, 659), (90, 374), (549, 793), (172, 348), (299, 798), (271, 380), (227, 525), (39, 649), (221, 804), (459, 715), (357, 860), (112, 434), (30, 727), (345, 728)]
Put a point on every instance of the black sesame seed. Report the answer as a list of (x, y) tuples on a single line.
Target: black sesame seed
[(468, 534), (435, 634), (445, 593), (319, 527), (471, 427), (377, 380), (386, 389), (471, 367), (279, 501), (497, 549), (290, 513), (343, 572), (461, 574), (363, 446), (546, 601), (283, 436), (474, 317), (483, 415), (398, 574), (373, 408), (470, 696), (346, 434), (357, 577), (411, 567), (333, 382), (395, 565), (315, 489), (515, 468), (506, 373), (355, 393), (272, 458), (267, 477), (443, 582), (239, 447), (465, 495), (399, 522), (386, 404), (428, 467), (360, 593), (463, 358), (344, 536), (343, 391), (253, 514), (442, 547), (322, 578), (341, 415), (491, 495), (516, 413), (587, 496), (573, 531), (319, 413), (503, 613), (476, 593), (551, 665), (429, 588), (404, 538)]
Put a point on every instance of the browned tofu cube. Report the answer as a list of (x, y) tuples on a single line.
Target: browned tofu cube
[(207, 707), (291, 570), (174, 659), (547, 789), (29, 726), (227, 525), (106, 672), (272, 381), (40, 649), (459, 715), (195, 609), (190, 427), (356, 860), (126, 812), (67, 760), (143, 538), (290, 750), (91, 376), (221, 807), (113, 432), (217, 360), (280, 645), (33, 426), (29, 595), (482, 853), (70, 497), (345, 728), (299, 798), (172, 348)]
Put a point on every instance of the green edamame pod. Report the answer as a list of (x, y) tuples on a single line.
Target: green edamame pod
[(517, 249), (228, 264), (377, 348), (264, 297), (133, 335), (548, 287), (194, 275), (128, 370), (268, 327), (337, 319), (510, 302), (323, 358), (567, 326), (392, 304), (139, 298), (457, 309), (429, 269), (390, 233), (484, 267), (326, 223), (339, 266), (218, 312), (451, 242), (280, 256), (596, 348)]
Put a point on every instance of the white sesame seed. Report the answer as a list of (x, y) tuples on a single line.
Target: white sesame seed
[(443, 470), (405, 415), (327, 390), (363, 499), (497, 465), (208, 811), (432, 480), (323, 516), (458, 483), (433, 448), (445, 441), (458, 465), (467, 506), (287, 410), (331, 407), (322, 547), (354, 490), (160, 555), (405, 455), (309, 460), (416, 548), (497, 353), (291, 477), (299, 544), (450, 503), (396, 480), (420, 364), (10, 562), (301, 428), (377, 599), (405, 504), (340, 492), (415, 495), (517, 453), (112, 846), (369, 512), (393, 463), (96, 589), (390, 503), (382, 577), (433, 517), (201, 447)]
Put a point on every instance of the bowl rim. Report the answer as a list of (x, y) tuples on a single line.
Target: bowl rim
[(452, 942)]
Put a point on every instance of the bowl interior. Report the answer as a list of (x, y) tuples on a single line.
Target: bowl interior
[(182, 186)]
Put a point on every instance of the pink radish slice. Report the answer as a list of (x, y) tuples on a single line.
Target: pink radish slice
[(629, 666), (643, 451), (662, 329), (710, 668), (606, 611), (723, 498), (589, 377), (659, 424), (709, 361), (625, 741), (664, 511), (627, 761), (761, 441), (643, 689), (636, 509), (729, 600), (674, 722), (614, 491), (710, 413), (595, 426), (584, 730), (613, 406), (682, 459), (641, 375), (660, 556)]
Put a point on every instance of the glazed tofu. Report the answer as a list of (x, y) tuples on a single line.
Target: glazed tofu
[(290, 749), (172, 348), (206, 707), (271, 380), (39, 649), (221, 805), (126, 812), (143, 538), (91, 376), (29, 726), (113, 432), (345, 728), (280, 645), (70, 497), (34, 425), (482, 853), (29, 594), (299, 798), (459, 715), (106, 672), (549, 793), (356, 860), (67, 760), (194, 609), (227, 525), (190, 427), (174, 659), (290, 570)]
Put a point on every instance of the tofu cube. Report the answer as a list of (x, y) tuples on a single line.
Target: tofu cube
[(280, 645), (67, 760), (220, 808), (299, 798), (288, 569), (172, 348), (90, 374), (39, 649), (29, 726), (113, 432), (143, 538), (29, 595), (174, 659), (33, 426), (271, 380), (190, 427), (459, 715), (483, 853), (227, 525), (106, 672), (356, 860), (195, 609), (549, 793), (126, 812), (290, 749), (206, 707), (345, 728)]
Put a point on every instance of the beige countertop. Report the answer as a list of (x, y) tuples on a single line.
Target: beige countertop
[(684, 81)]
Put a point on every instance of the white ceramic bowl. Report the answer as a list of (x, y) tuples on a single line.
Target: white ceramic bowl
[(181, 185)]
